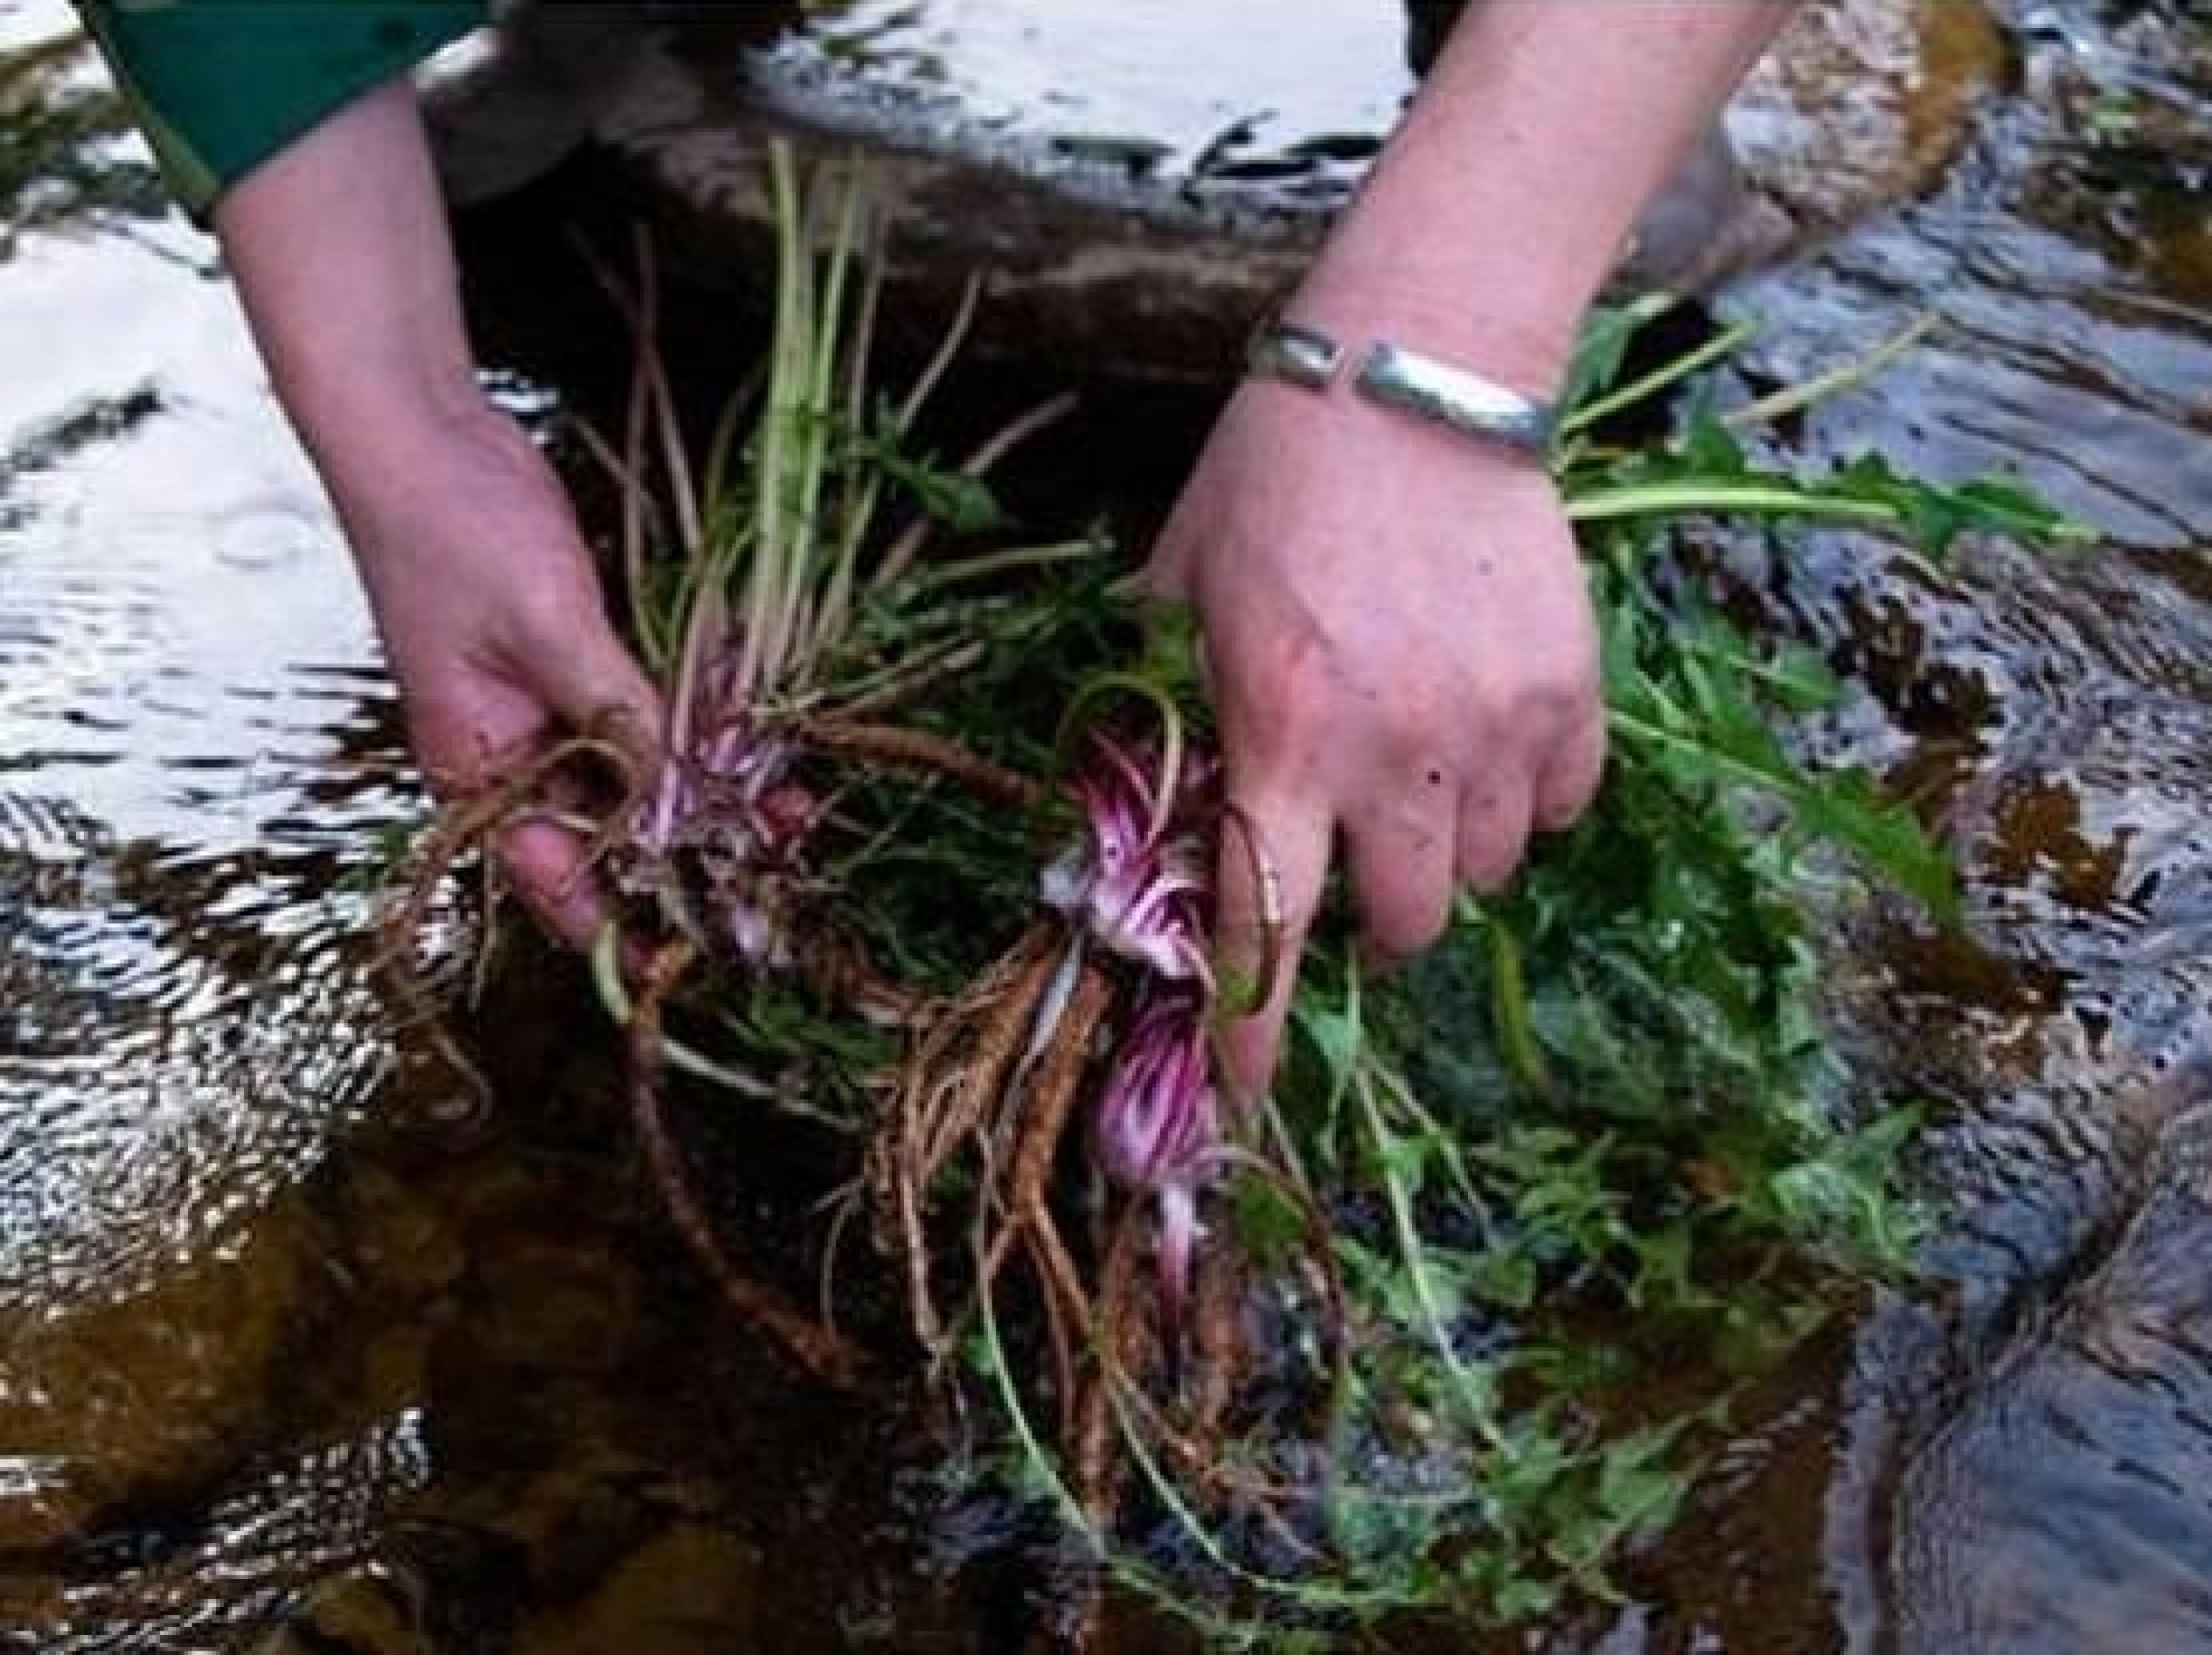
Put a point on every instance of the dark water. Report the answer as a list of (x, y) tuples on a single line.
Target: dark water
[(290, 1364)]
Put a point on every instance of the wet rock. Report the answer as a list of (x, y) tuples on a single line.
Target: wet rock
[(2059, 1506), (151, 1393), (1861, 105), (1006, 138), (272, 1540)]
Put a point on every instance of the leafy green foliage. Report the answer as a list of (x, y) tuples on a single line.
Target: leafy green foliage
[(1708, 471), (1600, 1136)]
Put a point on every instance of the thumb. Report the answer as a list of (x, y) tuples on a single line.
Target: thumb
[(584, 679), (1273, 863), (1169, 571), (591, 684)]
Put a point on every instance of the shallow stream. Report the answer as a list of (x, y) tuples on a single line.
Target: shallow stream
[(295, 1356)]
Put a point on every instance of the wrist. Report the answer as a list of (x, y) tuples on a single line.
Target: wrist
[(359, 425), (390, 458), (443, 500), (1387, 446), (1472, 326), (1387, 375)]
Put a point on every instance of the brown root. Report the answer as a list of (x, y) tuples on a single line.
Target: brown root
[(1216, 1334), (1119, 1357), (840, 972), (915, 680), (945, 1093), (1036, 1134), (1024, 1196), (814, 1347), (463, 824), (892, 747)]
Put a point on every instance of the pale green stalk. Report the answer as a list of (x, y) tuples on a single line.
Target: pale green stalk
[(1749, 775), (762, 654), (1307, 1593), (652, 646), (796, 624), (934, 372), (1795, 399), (1701, 497), (1473, 1394), (988, 565), (941, 363), (862, 482), (607, 978), (988, 454), (1721, 345)]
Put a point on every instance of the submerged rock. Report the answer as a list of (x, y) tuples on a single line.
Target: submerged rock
[(692, 1589), (2060, 1504), (1136, 183), (144, 1396)]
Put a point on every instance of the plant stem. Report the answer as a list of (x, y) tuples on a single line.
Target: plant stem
[(1793, 399), (1721, 345), (1714, 497)]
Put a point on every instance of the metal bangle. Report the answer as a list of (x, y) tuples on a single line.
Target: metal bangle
[(1399, 379), (1452, 396), (1302, 356)]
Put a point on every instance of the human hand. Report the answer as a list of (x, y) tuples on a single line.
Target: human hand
[(490, 613), (482, 588), (1401, 652)]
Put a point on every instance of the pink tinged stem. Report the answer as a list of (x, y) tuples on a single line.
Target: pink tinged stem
[(1158, 1131), (1179, 1234)]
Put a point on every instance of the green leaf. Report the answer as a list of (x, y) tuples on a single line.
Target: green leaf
[(1603, 347), (1637, 1489)]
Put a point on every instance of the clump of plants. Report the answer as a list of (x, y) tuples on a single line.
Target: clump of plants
[(784, 629), (1375, 1344), (931, 852)]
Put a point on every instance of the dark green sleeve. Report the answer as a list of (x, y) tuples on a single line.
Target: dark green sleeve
[(219, 86)]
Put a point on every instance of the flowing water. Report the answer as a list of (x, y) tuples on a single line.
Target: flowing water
[(295, 1356)]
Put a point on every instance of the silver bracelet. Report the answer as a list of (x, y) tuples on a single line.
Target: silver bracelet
[(1396, 377)]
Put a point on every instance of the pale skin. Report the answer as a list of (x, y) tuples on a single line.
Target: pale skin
[(1398, 637)]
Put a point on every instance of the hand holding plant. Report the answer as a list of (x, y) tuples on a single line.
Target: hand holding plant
[(491, 616), (929, 858), (1401, 653)]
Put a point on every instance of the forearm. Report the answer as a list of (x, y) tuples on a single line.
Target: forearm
[(340, 251), (482, 589), (461, 533), (1511, 188)]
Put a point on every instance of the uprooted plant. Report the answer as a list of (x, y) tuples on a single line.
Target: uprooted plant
[(1385, 1361), (1367, 1345), (780, 626)]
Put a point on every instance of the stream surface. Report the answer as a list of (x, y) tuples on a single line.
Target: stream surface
[(295, 1357)]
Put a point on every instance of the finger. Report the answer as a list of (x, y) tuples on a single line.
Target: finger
[(1493, 828), (544, 864), (1572, 779), (590, 680), (1268, 891), (1401, 866)]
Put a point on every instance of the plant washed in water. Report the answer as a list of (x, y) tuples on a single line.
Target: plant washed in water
[(779, 626), (1365, 1346), (1384, 1360)]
